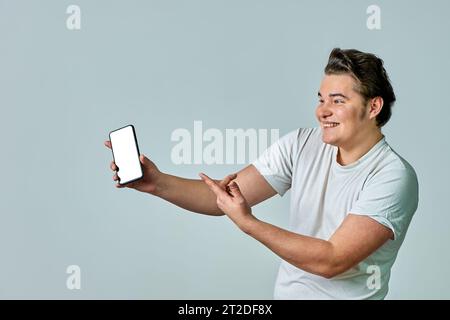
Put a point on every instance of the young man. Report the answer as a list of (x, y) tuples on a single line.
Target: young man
[(352, 195)]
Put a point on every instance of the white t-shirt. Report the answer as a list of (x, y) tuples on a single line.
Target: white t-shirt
[(381, 185)]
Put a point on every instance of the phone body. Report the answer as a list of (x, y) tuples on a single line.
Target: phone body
[(125, 153)]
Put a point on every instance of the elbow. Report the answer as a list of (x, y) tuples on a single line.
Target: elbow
[(333, 264), (327, 262), (331, 269), (329, 274), (324, 271)]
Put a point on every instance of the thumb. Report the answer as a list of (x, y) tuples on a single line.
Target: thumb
[(144, 160), (234, 190)]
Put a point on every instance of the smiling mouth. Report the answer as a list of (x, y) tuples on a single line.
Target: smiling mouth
[(330, 124)]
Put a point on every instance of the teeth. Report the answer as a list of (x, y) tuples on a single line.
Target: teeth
[(330, 125)]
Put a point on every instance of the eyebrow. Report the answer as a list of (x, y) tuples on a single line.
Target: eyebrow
[(331, 95)]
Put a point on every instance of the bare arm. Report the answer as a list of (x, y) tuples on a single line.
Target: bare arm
[(355, 239), (192, 194)]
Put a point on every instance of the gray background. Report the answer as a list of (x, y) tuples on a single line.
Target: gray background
[(161, 65)]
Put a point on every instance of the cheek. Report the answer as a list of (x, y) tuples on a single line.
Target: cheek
[(362, 115), (349, 116), (341, 115), (317, 112)]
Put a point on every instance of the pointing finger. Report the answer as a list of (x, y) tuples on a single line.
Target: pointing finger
[(227, 180), (213, 185), (235, 191)]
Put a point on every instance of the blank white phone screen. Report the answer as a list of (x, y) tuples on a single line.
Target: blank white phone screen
[(126, 154)]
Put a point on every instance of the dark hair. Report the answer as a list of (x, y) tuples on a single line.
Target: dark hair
[(370, 75)]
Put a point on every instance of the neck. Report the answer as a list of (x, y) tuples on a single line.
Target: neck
[(349, 154)]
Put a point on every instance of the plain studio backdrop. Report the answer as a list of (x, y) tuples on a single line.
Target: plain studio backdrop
[(162, 65)]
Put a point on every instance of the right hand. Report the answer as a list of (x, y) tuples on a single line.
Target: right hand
[(226, 182), (148, 183)]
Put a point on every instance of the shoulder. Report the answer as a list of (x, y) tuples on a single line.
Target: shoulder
[(396, 165), (393, 175), (302, 136)]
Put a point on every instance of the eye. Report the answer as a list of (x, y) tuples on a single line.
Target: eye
[(320, 100), (339, 101)]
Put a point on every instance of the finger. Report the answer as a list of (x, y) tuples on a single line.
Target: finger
[(234, 190), (213, 185), (144, 160), (227, 180), (115, 177), (108, 143), (119, 186), (113, 166)]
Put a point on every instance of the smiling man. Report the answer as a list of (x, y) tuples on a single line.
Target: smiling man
[(352, 195)]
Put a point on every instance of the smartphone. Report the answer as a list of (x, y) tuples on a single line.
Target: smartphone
[(125, 153)]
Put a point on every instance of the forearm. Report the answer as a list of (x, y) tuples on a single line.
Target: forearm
[(189, 194), (307, 253)]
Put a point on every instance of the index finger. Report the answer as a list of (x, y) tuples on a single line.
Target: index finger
[(224, 183), (213, 185)]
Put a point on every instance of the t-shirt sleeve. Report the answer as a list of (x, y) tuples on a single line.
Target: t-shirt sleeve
[(391, 198), (276, 162)]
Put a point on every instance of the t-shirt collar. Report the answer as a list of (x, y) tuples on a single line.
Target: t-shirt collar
[(366, 156)]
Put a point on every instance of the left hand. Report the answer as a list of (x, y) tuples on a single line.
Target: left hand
[(233, 204)]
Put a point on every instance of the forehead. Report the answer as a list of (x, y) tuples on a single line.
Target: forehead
[(342, 83)]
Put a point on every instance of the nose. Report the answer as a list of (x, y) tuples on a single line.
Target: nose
[(324, 111)]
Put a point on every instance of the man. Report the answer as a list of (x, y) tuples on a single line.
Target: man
[(352, 196)]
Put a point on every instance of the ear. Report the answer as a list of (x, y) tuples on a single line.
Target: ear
[(375, 106)]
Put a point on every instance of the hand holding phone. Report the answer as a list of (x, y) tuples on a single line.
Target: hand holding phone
[(151, 178)]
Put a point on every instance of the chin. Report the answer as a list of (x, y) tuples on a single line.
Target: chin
[(329, 140)]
